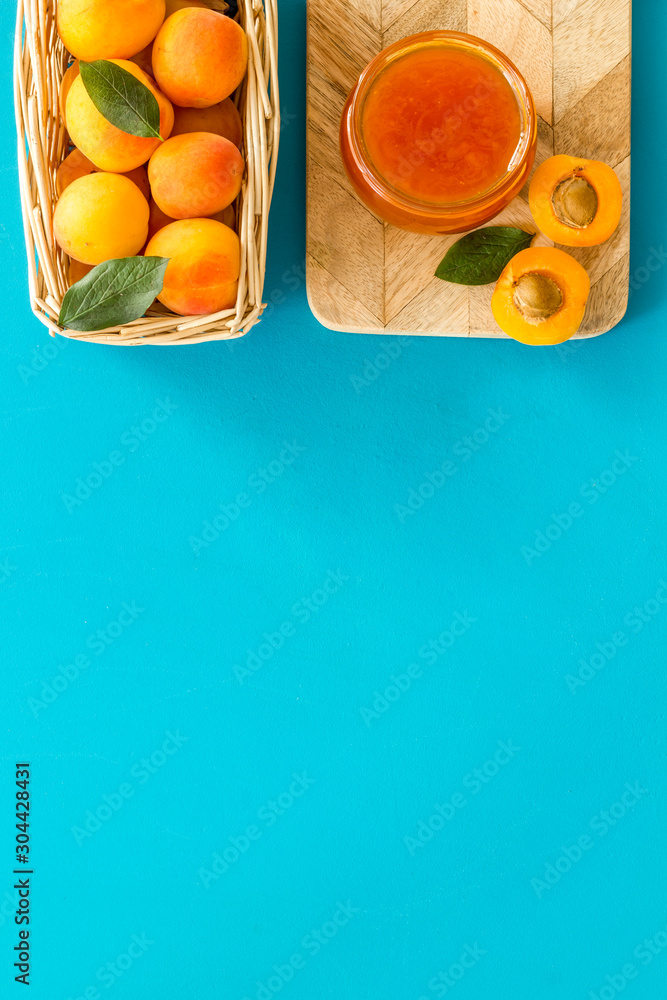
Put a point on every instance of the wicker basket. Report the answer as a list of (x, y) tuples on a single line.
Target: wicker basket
[(39, 63)]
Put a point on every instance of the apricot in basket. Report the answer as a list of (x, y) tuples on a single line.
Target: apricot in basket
[(204, 262), (68, 79), (159, 219), (109, 147), (99, 217), (199, 57), (77, 165), (77, 270), (221, 119), (195, 175), (174, 5), (108, 29)]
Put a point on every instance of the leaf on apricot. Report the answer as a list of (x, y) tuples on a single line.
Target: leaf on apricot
[(121, 98), (113, 293), (480, 258)]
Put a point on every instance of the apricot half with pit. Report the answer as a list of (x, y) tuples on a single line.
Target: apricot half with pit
[(541, 296), (575, 202)]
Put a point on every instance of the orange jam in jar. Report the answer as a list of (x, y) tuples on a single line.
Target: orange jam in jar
[(439, 134)]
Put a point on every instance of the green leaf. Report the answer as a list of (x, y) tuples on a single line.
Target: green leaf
[(480, 258), (122, 99), (113, 293)]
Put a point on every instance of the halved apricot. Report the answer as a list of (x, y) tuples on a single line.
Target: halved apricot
[(541, 296), (575, 202)]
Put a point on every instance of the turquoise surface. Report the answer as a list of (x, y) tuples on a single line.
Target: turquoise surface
[(309, 711)]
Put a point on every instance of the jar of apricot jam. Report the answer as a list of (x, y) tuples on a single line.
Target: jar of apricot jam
[(439, 134)]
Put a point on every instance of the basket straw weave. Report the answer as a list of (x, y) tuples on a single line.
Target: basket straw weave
[(40, 61)]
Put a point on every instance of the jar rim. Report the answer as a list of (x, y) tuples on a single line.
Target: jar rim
[(467, 42)]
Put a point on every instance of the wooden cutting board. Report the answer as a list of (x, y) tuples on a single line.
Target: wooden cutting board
[(366, 277)]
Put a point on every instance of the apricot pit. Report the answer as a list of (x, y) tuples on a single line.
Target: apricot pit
[(575, 202), (537, 297)]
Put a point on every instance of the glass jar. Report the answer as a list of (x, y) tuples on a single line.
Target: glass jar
[(457, 136)]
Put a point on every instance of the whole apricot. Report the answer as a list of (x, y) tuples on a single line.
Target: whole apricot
[(199, 57), (195, 175), (576, 202), (108, 147), (203, 271), (68, 79), (100, 217), (108, 29), (221, 119), (541, 296), (77, 165)]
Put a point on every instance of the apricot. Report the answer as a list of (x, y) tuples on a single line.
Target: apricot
[(204, 262), (108, 29), (68, 79), (195, 175), (77, 270), (174, 5), (199, 57), (576, 202), (227, 217), (144, 60), (220, 119), (100, 217), (108, 147), (541, 296), (77, 165), (139, 176), (159, 219)]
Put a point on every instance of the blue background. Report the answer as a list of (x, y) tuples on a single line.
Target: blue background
[(369, 780)]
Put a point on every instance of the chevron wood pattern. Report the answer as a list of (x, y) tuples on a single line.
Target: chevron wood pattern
[(366, 277)]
